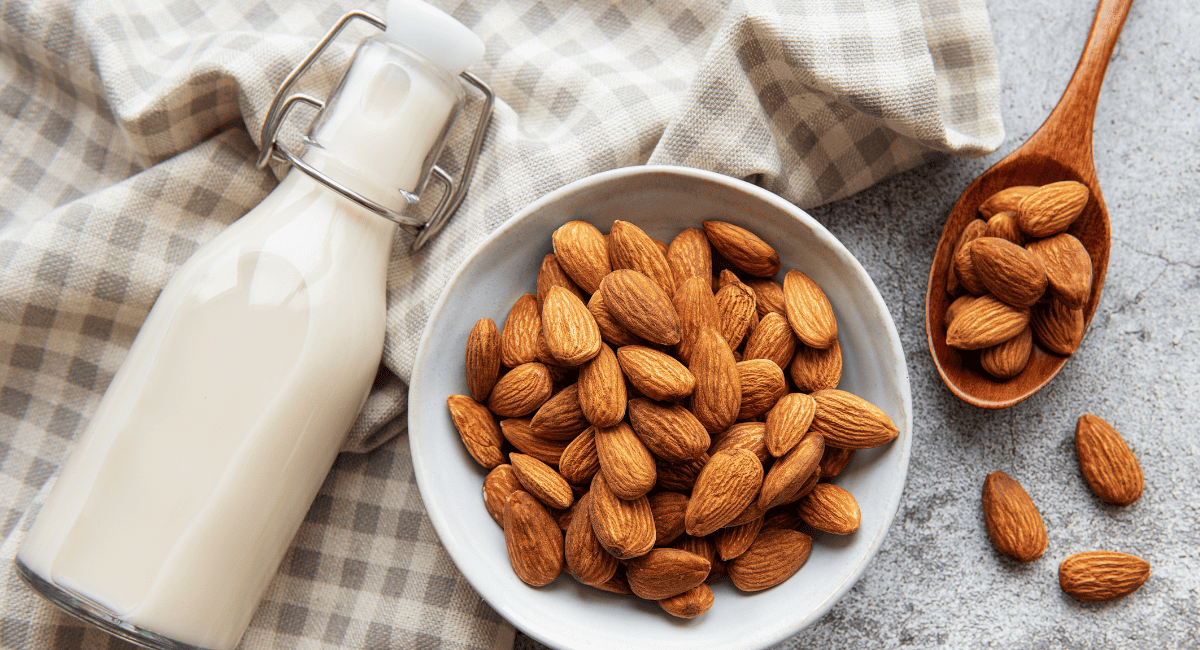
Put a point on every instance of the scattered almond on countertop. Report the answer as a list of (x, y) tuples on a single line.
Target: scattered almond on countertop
[(1102, 575), (1108, 464), (1013, 521)]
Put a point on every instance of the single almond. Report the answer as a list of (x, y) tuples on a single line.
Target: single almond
[(773, 340), (813, 369), (551, 274), (665, 572), (518, 337), (668, 509), (743, 249), (611, 331), (831, 509), (735, 302), (680, 476), (809, 311), (533, 539), (788, 474), (497, 486), (690, 255), (580, 461), (602, 393), (732, 541), (768, 296), (670, 431), (629, 247), (834, 460), (1068, 268), (1004, 225), (1052, 208), (540, 480), (1006, 200), (986, 322), (1006, 360), (586, 559), (571, 332), (689, 604), (483, 358), (1009, 272), (1056, 327), (762, 383), (1102, 575), (1107, 462), (1013, 522), (963, 264), (787, 422), (851, 422), (560, 417), (521, 391), (641, 305), (718, 394), (750, 436), (974, 229), (625, 461), (655, 374), (478, 429), (519, 433), (696, 306), (775, 556), (726, 485), (625, 528), (582, 252)]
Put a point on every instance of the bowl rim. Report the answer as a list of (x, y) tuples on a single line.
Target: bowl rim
[(422, 471)]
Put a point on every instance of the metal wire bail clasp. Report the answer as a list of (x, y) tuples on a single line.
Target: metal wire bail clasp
[(455, 192)]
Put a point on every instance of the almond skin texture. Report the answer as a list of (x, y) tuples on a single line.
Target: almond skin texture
[(540, 480), (762, 385), (986, 322), (790, 472), (1107, 462), (655, 374), (497, 486), (956, 308), (830, 509), (579, 461), (518, 338), (690, 255), (522, 391), (1008, 359), (551, 274), (533, 539), (670, 431), (808, 311), (732, 541), (696, 307), (727, 484), (851, 422), (679, 477), (1004, 226), (624, 528), (483, 358), (788, 421), (1052, 208), (689, 604), (775, 556), (768, 296), (665, 572), (625, 461), (1006, 200), (641, 306), (813, 370), (571, 332), (1057, 328), (1009, 272), (964, 269), (834, 461), (743, 249), (519, 432), (629, 247), (1102, 575), (582, 252), (974, 229), (561, 417), (1068, 268), (750, 436), (586, 559), (1013, 522), (735, 302), (668, 509), (602, 389), (772, 339), (611, 331), (478, 429), (718, 395)]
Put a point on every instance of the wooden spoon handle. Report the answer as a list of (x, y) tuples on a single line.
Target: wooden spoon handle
[(1069, 127)]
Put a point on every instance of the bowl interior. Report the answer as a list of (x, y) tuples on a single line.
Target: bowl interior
[(663, 201)]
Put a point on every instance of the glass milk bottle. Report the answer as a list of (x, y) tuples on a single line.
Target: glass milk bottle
[(182, 495)]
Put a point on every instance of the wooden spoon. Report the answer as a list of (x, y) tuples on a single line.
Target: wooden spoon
[(1060, 150)]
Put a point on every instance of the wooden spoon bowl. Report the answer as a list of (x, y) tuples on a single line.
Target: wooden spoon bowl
[(1061, 149)]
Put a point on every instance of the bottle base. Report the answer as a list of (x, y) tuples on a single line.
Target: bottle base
[(94, 614)]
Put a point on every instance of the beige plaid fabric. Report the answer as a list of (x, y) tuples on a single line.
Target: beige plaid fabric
[(129, 134)]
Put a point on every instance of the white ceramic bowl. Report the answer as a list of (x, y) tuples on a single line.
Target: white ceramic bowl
[(663, 201)]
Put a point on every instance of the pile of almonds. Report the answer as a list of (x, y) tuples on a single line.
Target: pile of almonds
[(651, 426), (1017, 276), (1114, 474)]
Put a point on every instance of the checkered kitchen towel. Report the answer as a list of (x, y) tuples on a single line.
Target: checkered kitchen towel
[(129, 130)]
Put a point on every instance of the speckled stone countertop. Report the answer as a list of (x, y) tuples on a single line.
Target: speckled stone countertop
[(938, 581)]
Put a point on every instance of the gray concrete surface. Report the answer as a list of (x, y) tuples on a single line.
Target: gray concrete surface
[(938, 581)]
